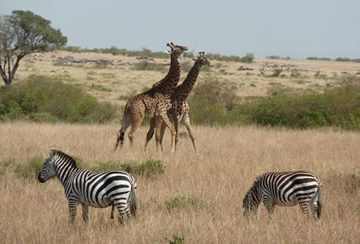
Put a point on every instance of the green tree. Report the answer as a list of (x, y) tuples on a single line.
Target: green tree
[(23, 33)]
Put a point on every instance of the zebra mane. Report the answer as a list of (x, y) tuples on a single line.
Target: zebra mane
[(55, 151)]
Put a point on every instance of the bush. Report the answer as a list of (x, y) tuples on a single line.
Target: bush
[(338, 106), (176, 239), (31, 169), (182, 202), (146, 65), (45, 99), (147, 168)]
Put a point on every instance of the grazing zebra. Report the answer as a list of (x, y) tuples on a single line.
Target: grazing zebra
[(284, 189), (100, 190)]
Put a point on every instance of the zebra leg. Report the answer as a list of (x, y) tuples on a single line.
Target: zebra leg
[(304, 207), (85, 212), (122, 209), (269, 206), (72, 209), (315, 205), (112, 211)]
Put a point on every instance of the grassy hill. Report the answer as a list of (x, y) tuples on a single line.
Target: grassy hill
[(113, 78)]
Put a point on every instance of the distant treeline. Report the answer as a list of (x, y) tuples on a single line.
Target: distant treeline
[(248, 58), (339, 59)]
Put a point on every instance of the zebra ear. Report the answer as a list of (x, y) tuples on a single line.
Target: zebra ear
[(53, 151)]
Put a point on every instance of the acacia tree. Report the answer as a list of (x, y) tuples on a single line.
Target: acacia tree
[(23, 33)]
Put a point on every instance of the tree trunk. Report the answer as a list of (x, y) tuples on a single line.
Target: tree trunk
[(7, 72)]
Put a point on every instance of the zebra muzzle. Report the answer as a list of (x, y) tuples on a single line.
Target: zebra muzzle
[(41, 179)]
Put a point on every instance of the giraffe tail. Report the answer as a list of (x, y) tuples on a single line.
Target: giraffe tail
[(125, 124)]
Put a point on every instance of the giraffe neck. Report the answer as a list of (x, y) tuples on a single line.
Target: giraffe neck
[(183, 90), (168, 84)]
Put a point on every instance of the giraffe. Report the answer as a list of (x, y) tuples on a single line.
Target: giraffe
[(179, 112), (156, 100)]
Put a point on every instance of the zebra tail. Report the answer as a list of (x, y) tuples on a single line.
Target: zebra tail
[(133, 201), (319, 205)]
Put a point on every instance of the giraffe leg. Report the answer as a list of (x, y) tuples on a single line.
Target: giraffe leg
[(150, 133), (158, 138), (134, 126), (187, 124), (162, 133), (175, 122), (163, 115)]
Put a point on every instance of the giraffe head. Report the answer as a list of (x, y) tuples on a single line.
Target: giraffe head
[(202, 59), (176, 50)]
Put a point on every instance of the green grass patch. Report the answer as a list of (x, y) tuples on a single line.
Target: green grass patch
[(31, 169), (182, 202), (147, 168)]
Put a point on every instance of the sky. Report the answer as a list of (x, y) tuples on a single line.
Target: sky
[(286, 28)]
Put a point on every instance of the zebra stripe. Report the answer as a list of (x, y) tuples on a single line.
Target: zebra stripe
[(100, 190), (284, 189)]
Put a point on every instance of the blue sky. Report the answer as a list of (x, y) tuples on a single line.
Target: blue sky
[(298, 29)]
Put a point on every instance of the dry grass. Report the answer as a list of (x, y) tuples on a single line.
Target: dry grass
[(215, 179)]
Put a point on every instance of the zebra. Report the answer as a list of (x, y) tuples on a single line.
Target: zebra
[(284, 189), (100, 190)]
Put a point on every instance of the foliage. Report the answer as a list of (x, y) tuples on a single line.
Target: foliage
[(147, 168), (214, 103), (146, 65), (342, 59), (211, 101), (176, 239), (182, 202), (31, 169), (318, 58), (23, 33), (339, 107), (45, 99)]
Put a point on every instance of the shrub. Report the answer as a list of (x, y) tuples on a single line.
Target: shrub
[(182, 202), (338, 106), (146, 65), (31, 169), (45, 99), (147, 168), (176, 239)]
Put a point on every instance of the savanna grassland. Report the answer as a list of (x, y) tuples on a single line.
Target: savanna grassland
[(116, 77), (198, 197), (195, 197)]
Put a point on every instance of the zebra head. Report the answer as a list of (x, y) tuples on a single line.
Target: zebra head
[(48, 171), (251, 202)]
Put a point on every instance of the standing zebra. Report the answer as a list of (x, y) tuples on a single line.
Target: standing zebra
[(100, 190), (284, 189)]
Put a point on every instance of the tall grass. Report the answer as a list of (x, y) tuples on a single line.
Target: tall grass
[(198, 198)]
